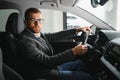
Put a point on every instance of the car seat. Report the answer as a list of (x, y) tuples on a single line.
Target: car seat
[(14, 27), (7, 73)]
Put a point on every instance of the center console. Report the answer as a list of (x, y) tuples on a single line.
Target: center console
[(111, 60)]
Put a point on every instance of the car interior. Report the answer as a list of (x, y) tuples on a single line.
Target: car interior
[(103, 55)]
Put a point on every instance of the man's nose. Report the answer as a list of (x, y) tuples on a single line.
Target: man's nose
[(36, 23)]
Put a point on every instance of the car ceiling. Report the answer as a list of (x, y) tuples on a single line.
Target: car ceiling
[(35, 3), (63, 5)]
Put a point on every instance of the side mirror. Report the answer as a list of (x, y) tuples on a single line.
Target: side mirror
[(102, 2), (95, 3)]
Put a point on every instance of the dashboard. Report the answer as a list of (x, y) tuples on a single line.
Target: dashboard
[(111, 57), (108, 44), (104, 37)]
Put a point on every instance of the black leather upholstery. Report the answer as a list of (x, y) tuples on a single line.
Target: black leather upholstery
[(7, 73), (10, 74), (1, 71), (14, 27), (15, 24)]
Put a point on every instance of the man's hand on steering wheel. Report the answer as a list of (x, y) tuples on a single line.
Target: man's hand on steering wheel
[(85, 33), (84, 29), (82, 48)]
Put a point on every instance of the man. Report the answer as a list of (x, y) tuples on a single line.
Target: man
[(35, 55)]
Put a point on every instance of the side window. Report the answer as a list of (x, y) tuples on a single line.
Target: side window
[(53, 20), (4, 16), (74, 21), (57, 20)]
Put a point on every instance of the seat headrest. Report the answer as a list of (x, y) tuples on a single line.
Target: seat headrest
[(15, 24)]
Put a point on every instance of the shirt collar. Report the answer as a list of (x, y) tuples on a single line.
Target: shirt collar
[(37, 34)]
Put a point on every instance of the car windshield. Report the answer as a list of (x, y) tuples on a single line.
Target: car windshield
[(109, 12)]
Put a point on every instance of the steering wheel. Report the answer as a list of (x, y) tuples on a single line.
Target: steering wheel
[(82, 39), (84, 36)]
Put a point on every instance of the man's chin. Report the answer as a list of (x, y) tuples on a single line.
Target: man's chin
[(37, 31)]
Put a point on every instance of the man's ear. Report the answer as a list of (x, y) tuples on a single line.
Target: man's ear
[(25, 22)]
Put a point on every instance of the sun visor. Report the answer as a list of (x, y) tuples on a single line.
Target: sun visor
[(48, 3), (68, 2)]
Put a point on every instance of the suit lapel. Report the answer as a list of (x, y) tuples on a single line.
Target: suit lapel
[(43, 43), (50, 48)]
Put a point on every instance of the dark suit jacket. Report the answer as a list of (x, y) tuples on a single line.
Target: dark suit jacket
[(36, 59)]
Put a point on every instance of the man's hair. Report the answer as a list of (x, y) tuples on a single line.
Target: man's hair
[(30, 11)]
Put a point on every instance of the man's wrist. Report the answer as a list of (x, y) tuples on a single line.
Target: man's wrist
[(74, 51), (78, 29)]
